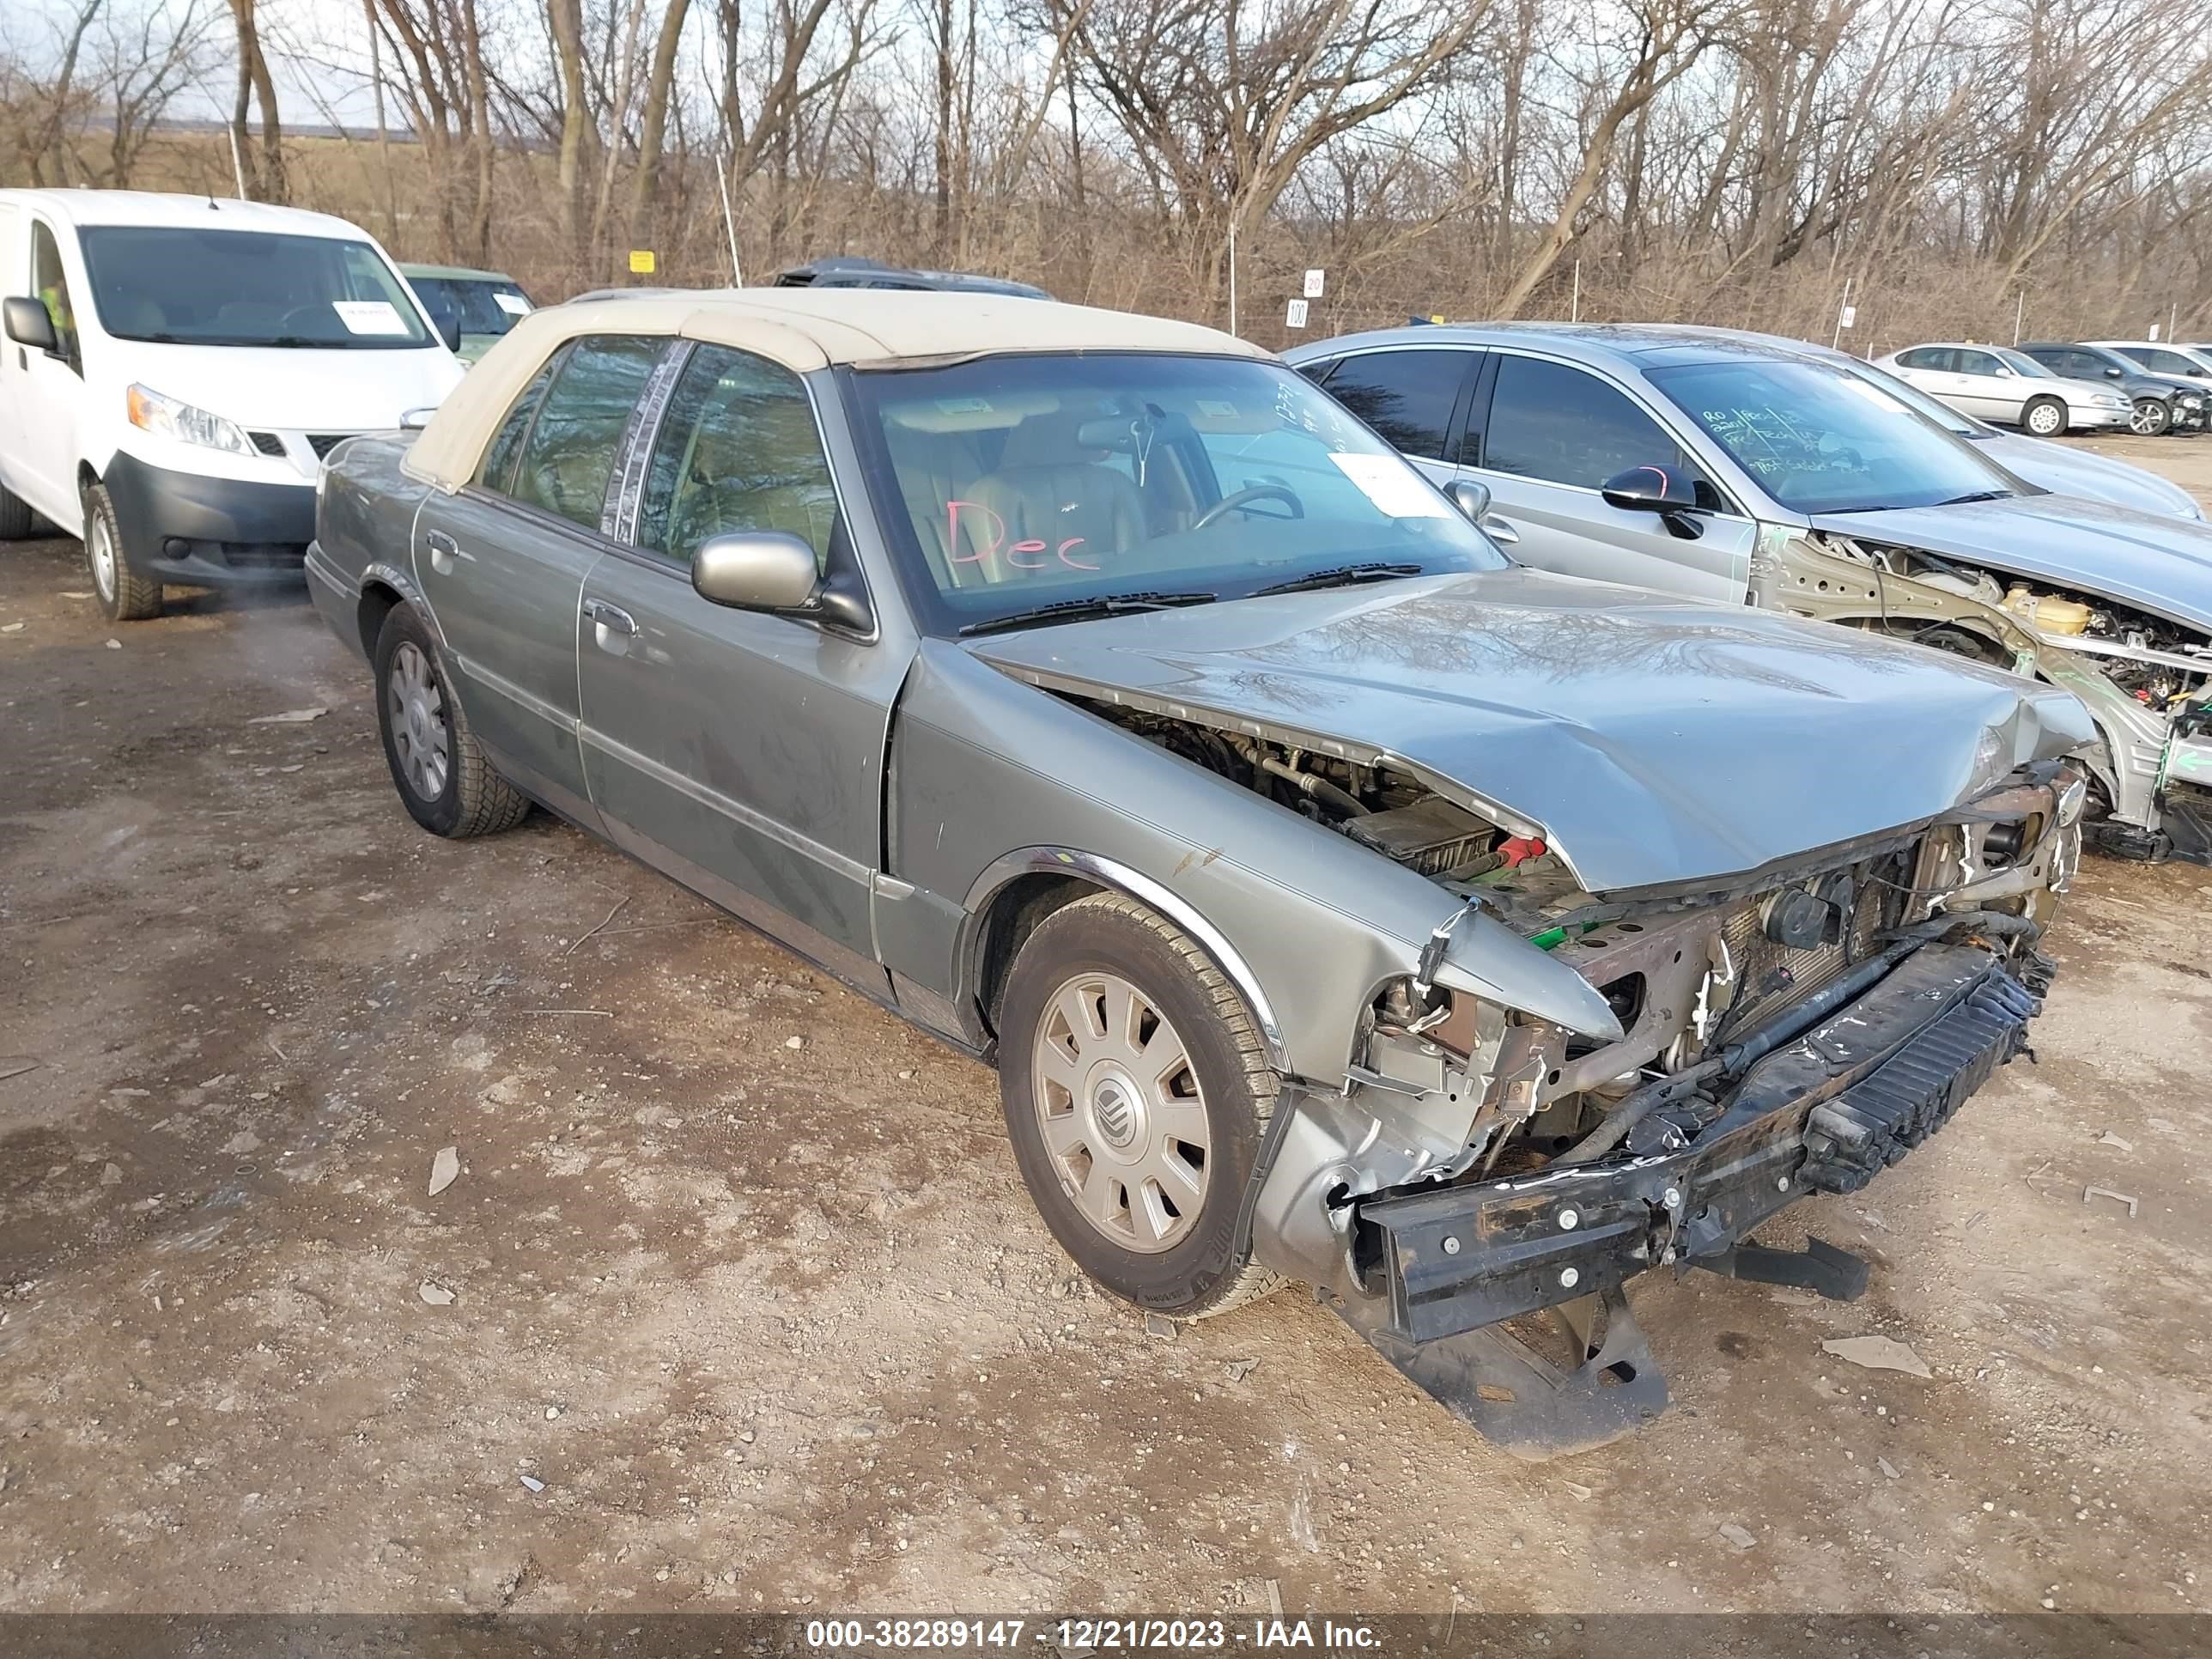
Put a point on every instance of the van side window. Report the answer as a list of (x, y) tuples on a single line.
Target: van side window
[(51, 285), (570, 452), (496, 470), (738, 450)]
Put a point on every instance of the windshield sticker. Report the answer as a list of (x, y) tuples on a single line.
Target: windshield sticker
[(1214, 408), (963, 405), (1393, 486), (369, 316), (513, 304)]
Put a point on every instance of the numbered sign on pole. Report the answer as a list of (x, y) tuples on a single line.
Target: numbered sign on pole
[(1847, 316), (1314, 283), (1294, 314)]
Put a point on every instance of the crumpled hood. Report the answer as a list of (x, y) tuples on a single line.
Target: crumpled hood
[(1654, 740), (2153, 561), (297, 389)]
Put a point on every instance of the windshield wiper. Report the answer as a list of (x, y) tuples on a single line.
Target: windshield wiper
[(1975, 496), (1111, 604), (1344, 575)]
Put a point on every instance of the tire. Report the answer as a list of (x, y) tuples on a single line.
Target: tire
[(17, 518), (1170, 1234), (2151, 417), (123, 594), (443, 776), (2043, 417)]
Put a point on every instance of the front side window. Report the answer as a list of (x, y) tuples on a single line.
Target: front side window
[(1566, 425), (1976, 363), (176, 285), (570, 452), (1408, 397), (1819, 440), (738, 450), (1010, 483), (50, 283)]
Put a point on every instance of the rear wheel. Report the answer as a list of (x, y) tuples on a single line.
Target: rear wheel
[(2151, 416), (1136, 1089), (124, 595), (444, 777), (2046, 417)]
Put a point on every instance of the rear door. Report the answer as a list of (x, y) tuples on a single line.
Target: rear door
[(740, 752), (1546, 437), (502, 562)]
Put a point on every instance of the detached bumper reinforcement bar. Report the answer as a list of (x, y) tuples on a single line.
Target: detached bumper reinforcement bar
[(1825, 1112)]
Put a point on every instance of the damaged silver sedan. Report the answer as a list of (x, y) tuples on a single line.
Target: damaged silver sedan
[(1337, 902)]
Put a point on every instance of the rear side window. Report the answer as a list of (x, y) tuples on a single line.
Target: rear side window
[(1408, 396), (738, 450), (1932, 357), (497, 471), (570, 452), (1560, 424)]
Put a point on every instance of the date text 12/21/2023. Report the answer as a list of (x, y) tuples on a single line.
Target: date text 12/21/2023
[(1089, 1635)]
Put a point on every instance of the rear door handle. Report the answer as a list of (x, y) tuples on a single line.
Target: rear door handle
[(1498, 531), (610, 619), (444, 549)]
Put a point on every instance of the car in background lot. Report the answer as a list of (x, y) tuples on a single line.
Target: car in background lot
[(177, 368), (850, 271), (2179, 363), (484, 304), (1996, 385), (1740, 470), (1322, 886), (2162, 404)]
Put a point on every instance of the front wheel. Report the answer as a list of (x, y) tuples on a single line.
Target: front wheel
[(1136, 1089), (2044, 417), (2151, 417), (124, 595), (445, 779)]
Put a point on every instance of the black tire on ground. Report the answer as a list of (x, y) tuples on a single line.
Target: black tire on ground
[(16, 516), (464, 796), (1206, 1268), (123, 594), (2152, 416), (2044, 417)]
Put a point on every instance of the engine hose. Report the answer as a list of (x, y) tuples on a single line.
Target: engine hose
[(1739, 1057), (1318, 786)]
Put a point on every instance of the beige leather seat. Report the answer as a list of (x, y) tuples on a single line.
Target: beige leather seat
[(935, 470), (1048, 489)]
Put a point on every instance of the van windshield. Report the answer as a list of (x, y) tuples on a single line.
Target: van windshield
[(247, 288)]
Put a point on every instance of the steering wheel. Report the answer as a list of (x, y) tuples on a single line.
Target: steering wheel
[(308, 319), (1229, 503)]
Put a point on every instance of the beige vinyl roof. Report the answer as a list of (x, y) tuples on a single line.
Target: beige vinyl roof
[(804, 329)]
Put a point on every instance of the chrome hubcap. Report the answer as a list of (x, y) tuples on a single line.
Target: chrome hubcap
[(1122, 1112), (101, 546), (417, 707)]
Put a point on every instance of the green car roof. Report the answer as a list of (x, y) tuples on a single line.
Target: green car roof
[(457, 274)]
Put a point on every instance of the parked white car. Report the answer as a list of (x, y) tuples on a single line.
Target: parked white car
[(176, 368), (2008, 387), (2182, 362)]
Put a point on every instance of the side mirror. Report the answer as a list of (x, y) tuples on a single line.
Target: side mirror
[(414, 420), (1470, 497), (757, 570), (28, 325), (2116, 373), (1650, 489)]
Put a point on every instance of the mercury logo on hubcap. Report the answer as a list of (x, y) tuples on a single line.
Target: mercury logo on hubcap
[(1116, 1113)]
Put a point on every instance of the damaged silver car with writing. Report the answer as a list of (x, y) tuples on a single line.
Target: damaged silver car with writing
[(1337, 902)]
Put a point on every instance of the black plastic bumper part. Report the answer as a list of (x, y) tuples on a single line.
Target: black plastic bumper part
[(210, 532)]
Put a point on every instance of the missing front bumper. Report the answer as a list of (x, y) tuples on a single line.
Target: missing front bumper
[(1825, 1113)]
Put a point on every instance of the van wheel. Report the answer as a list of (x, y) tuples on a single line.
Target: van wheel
[(2046, 417), (1136, 1089), (124, 595), (444, 780), (16, 516)]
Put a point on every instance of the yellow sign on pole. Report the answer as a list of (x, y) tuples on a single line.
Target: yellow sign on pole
[(640, 261)]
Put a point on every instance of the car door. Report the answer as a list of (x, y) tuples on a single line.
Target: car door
[(1415, 397), (1988, 387), (2161, 361), (502, 561), (51, 383), (1544, 436), (740, 752)]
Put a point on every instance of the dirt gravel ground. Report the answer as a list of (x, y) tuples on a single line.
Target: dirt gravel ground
[(739, 1268)]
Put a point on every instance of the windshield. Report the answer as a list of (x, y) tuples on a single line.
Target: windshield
[(1819, 440), (1014, 482), (247, 288), (485, 306)]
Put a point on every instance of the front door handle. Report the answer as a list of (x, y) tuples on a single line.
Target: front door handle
[(1498, 531), (613, 627), (444, 549)]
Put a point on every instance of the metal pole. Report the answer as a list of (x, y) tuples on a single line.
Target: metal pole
[(1575, 309), (1836, 339), (2019, 316), (1232, 272), (237, 167), (2173, 315), (729, 222)]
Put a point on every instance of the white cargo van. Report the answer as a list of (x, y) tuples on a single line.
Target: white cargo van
[(175, 370)]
